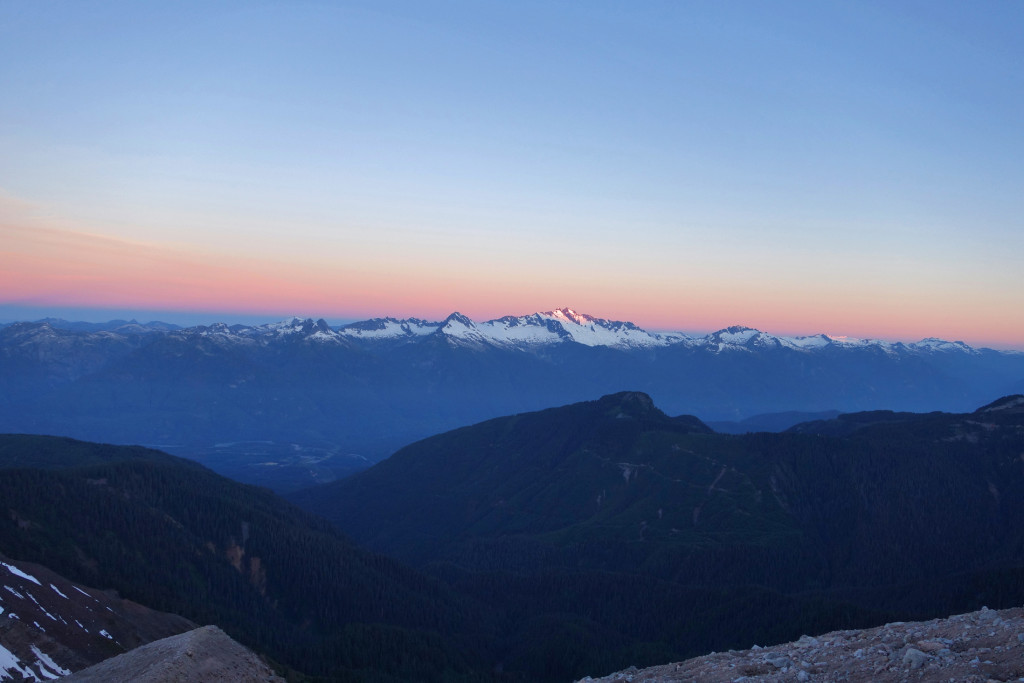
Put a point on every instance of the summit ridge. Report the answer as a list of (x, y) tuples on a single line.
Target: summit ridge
[(556, 326)]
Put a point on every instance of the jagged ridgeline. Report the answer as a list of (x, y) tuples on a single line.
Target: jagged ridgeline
[(608, 531), (174, 536), (296, 403)]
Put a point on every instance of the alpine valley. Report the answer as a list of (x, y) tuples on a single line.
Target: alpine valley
[(295, 403), (540, 546)]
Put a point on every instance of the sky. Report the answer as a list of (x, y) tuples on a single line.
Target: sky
[(848, 168)]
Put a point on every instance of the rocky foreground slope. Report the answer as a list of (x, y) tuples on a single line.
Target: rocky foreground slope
[(978, 646), (50, 626), (203, 654)]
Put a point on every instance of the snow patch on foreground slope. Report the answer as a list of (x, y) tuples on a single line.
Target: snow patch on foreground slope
[(17, 572), (50, 627)]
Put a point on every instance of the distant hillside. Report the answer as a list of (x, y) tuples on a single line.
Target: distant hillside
[(296, 403), (771, 422), (627, 533)]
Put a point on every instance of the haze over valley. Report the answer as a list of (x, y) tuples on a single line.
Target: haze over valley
[(298, 402)]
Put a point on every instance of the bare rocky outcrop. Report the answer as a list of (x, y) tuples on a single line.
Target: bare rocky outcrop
[(51, 627), (977, 647), (203, 654)]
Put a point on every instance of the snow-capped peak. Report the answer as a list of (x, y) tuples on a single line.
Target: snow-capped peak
[(305, 327), (570, 325), (292, 328), (739, 336), (933, 344), (389, 328), (457, 318), (815, 341), (218, 330), (736, 334), (460, 327), (569, 315)]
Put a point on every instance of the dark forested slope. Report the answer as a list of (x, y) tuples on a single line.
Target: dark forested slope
[(595, 521), (174, 536)]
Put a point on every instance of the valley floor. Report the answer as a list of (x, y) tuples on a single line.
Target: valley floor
[(979, 646)]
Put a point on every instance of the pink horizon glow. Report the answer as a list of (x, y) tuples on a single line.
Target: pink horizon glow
[(851, 168), (50, 266)]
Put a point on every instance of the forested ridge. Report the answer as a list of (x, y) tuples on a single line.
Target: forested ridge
[(626, 531)]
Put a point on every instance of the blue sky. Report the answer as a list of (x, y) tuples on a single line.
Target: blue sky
[(850, 168)]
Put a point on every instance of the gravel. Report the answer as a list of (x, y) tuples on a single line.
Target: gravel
[(203, 654), (982, 647)]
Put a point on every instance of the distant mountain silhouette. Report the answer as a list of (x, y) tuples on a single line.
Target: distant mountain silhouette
[(351, 396)]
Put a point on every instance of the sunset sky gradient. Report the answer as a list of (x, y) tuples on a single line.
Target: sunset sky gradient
[(850, 168)]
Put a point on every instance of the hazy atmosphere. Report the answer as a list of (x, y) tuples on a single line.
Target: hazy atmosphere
[(847, 168)]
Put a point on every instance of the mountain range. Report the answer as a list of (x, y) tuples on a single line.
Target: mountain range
[(561, 325), (298, 402)]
